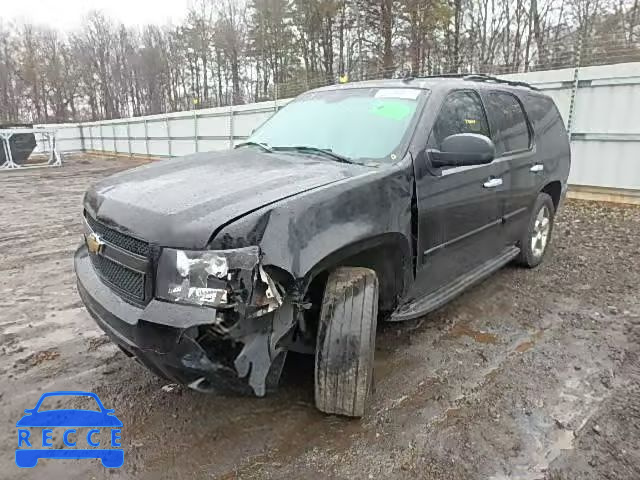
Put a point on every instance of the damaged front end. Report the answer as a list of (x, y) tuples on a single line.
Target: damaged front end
[(246, 322), (229, 280)]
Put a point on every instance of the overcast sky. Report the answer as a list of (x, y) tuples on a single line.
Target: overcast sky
[(68, 14)]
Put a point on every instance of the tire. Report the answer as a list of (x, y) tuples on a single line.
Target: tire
[(346, 342), (531, 254)]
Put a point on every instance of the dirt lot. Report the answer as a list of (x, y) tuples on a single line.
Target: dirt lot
[(532, 374)]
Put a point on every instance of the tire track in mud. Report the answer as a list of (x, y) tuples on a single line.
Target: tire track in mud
[(542, 422), (608, 444), (421, 393), (45, 333), (494, 384)]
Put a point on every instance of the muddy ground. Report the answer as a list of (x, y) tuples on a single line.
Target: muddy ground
[(533, 374)]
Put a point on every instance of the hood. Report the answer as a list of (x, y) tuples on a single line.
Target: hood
[(180, 202)]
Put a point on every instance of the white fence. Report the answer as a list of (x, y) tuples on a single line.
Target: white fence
[(605, 125), (172, 134)]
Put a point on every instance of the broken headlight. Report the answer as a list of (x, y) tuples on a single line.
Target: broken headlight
[(208, 277)]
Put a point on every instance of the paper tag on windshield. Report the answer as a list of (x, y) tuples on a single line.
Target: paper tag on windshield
[(405, 93)]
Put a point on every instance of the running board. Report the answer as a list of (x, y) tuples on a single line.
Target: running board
[(422, 306)]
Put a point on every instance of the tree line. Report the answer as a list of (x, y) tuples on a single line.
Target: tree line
[(229, 52)]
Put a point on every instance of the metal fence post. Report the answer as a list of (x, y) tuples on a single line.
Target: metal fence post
[(91, 137), (146, 137), (574, 87), (129, 137), (102, 139), (230, 127), (82, 145), (166, 123), (195, 129), (113, 130), (51, 141), (275, 97)]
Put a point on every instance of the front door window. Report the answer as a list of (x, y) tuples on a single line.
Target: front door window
[(461, 112)]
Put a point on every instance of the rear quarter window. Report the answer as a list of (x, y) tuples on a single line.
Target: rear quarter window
[(544, 116), (510, 131)]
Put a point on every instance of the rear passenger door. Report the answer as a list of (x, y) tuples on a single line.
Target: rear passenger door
[(459, 208), (513, 138)]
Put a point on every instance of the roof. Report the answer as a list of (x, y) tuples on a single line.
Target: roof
[(432, 82)]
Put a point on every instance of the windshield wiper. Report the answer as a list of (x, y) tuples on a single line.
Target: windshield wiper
[(263, 146), (327, 152)]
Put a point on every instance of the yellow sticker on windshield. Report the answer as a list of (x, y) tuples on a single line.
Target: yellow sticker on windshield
[(470, 121), (391, 109)]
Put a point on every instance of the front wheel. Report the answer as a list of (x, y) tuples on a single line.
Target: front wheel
[(346, 341), (536, 238)]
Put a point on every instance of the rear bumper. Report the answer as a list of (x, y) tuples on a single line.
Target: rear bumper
[(184, 343)]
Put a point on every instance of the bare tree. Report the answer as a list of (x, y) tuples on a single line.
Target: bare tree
[(230, 37), (235, 51)]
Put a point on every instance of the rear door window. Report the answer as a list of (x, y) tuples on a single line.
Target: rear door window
[(461, 112), (508, 123)]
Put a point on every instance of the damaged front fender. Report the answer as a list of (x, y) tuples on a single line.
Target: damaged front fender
[(249, 309)]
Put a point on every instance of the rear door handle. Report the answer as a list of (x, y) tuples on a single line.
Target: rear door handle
[(538, 167), (493, 183)]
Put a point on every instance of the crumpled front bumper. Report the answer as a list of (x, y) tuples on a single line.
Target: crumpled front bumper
[(189, 344)]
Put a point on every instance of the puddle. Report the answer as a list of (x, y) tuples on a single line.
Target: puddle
[(461, 330), (525, 346), (564, 441), (561, 440)]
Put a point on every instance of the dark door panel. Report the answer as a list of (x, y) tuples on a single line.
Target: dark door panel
[(459, 209), (524, 187), (460, 224)]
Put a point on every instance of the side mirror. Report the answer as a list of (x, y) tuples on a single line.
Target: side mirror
[(463, 149)]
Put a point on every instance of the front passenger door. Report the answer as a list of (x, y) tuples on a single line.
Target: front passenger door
[(459, 208)]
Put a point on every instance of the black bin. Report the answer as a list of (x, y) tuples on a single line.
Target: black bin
[(22, 144)]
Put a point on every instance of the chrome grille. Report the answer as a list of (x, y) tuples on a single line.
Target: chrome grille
[(126, 242), (123, 274)]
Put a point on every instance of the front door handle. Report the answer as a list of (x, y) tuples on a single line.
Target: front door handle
[(538, 167), (493, 183)]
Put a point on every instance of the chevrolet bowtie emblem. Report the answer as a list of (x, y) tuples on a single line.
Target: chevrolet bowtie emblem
[(94, 243)]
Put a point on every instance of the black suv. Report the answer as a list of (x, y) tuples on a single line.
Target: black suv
[(385, 197)]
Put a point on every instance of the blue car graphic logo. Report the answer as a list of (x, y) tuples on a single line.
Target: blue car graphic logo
[(29, 443)]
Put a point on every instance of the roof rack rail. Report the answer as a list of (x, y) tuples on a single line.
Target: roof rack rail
[(481, 77), (474, 77), (410, 77)]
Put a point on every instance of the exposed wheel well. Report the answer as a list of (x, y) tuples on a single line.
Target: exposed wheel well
[(554, 190), (388, 261)]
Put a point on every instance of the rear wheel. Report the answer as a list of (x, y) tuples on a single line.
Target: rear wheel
[(536, 238), (346, 341)]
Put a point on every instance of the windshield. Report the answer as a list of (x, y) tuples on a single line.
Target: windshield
[(358, 124)]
